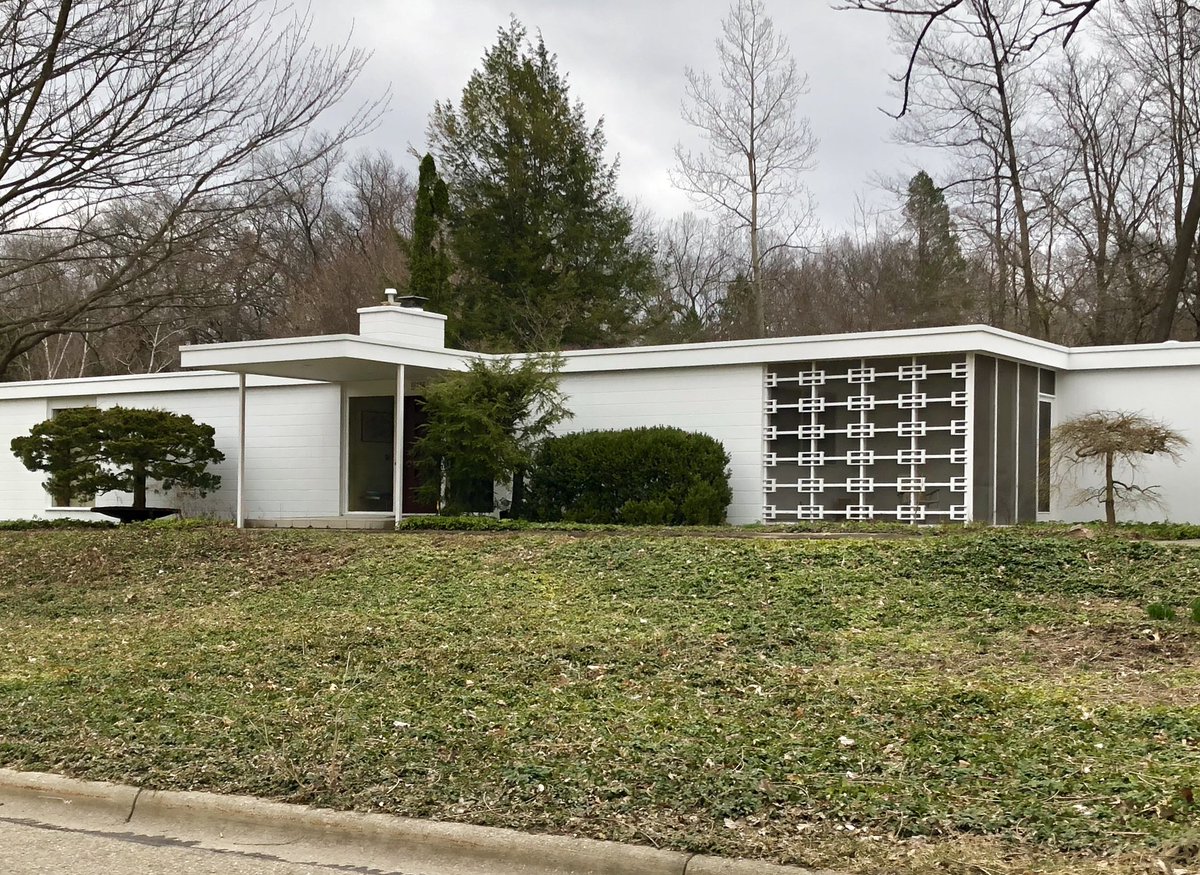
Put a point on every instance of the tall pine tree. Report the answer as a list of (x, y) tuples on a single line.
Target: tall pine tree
[(937, 269), (429, 264), (545, 253)]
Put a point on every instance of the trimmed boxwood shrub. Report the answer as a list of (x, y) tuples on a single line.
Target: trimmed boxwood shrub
[(636, 476)]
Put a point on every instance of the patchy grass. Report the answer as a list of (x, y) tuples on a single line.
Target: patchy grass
[(980, 702)]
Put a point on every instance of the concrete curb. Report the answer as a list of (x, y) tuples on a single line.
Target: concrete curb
[(53, 798), (301, 834)]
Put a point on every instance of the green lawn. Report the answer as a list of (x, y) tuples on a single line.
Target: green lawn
[(992, 702)]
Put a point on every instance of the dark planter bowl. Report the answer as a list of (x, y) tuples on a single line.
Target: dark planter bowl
[(128, 514)]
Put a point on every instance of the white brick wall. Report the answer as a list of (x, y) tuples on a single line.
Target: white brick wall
[(293, 440), (725, 402), (21, 492)]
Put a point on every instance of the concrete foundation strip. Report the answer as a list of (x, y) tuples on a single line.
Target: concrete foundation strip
[(300, 834)]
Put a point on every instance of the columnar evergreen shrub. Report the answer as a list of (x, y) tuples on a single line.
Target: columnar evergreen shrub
[(639, 476)]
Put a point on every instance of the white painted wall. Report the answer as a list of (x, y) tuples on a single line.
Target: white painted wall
[(21, 492), (403, 325), (725, 402), (293, 441), (1171, 394)]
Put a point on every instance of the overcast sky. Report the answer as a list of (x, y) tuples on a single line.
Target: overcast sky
[(625, 60)]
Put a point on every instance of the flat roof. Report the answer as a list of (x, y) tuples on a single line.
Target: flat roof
[(333, 353), (353, 358)]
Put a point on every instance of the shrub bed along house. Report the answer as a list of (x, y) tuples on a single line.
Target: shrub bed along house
[(637, 476)]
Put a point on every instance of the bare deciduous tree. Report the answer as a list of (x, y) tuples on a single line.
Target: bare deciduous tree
[(756, 144), (976, 85), (1160, 41), (1103, 186), (696, 264), (132, 128), (927, 16)]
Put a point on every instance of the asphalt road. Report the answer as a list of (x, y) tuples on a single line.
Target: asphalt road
[(29, 848)]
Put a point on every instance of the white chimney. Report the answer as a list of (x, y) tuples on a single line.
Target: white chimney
[(406, 326)]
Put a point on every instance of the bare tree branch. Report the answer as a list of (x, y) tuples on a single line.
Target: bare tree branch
[(129, 128), (1057, 15)]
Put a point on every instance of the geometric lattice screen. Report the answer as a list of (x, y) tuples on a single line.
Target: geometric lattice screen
[(865, 439)]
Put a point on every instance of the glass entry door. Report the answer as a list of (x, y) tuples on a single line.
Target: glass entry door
[(369, 453)]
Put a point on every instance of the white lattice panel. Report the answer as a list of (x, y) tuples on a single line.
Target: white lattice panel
[(893, 430)]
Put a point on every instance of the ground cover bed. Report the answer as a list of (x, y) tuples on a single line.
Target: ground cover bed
[(975, 703)]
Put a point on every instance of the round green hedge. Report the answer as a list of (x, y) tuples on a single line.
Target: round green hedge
[(636, 476)]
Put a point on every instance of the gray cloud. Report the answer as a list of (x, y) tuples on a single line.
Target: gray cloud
[(625, 60)]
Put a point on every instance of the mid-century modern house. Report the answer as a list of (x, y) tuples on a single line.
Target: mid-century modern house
[(926, 425)]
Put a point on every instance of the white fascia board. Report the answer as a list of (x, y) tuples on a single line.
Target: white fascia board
[(129, 384), (1142, 355), (875, 344), (244, 356)]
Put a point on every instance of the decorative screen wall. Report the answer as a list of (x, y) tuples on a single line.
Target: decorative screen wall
[(866, 439)]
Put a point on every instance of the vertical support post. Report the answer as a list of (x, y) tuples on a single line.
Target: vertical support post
[(969, 440), (241, 462), (398, 448)]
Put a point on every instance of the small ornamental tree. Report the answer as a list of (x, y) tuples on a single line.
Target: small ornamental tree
[(68, 446), (484, 426), (1113, 440), (170, 448), (120, 449)]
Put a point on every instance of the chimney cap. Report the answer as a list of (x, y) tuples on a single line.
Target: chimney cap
[(413, 302)]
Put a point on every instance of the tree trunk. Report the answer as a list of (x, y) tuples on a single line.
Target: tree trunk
[(1110, 496), (516, 509), (1036, 322), (139, 486), (758, 320), (1173, 288)]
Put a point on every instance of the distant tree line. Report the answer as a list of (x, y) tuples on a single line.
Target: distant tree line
[(192, 203)]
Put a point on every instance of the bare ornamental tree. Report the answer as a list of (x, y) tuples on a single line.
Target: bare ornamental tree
[(756, 144), (129, 129), (1114, 440)]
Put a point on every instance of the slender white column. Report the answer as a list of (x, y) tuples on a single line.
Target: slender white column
[(241, 463), (398, 447)]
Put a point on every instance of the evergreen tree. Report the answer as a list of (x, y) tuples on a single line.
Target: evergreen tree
[(140, 446), (544, 246), (68, 447), (429, 266), (937, 267), (484, 425), (120, 449)]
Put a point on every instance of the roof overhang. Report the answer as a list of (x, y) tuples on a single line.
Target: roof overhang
[(868, 344), (334, 358), (347, 358)]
